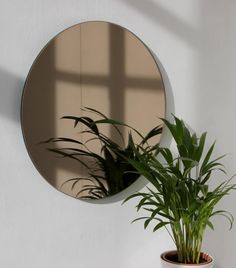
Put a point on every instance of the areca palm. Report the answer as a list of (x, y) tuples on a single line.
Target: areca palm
[(180, 198)]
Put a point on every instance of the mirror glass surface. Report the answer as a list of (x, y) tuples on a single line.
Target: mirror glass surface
[(93, 64)]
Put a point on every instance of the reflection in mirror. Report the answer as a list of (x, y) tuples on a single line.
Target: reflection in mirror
[(98, 65)]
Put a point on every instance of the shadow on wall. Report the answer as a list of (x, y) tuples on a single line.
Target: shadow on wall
[(172, 23), (11, 88)]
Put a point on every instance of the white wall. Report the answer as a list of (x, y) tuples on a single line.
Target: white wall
[(195, 40)]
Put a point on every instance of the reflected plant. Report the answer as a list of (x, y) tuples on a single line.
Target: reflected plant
[(109, 172)]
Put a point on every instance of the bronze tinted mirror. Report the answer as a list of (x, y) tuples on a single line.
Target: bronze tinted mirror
[(101, 66)]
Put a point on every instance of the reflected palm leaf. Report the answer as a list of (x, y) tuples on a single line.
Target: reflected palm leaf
[(110, 172)]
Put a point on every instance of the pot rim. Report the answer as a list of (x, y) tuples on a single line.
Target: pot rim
[(207, 256)]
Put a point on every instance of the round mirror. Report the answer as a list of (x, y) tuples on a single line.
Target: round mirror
[(84, 83)]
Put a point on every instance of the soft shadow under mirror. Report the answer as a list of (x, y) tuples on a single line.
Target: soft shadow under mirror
[(98, 65)]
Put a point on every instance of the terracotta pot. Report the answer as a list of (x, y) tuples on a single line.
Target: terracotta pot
[(168, 262)]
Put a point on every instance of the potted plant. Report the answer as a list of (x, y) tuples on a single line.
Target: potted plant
[(181, 198), (108, 171)]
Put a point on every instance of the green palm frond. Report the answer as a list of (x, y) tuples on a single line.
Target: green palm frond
[(180, 196)]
